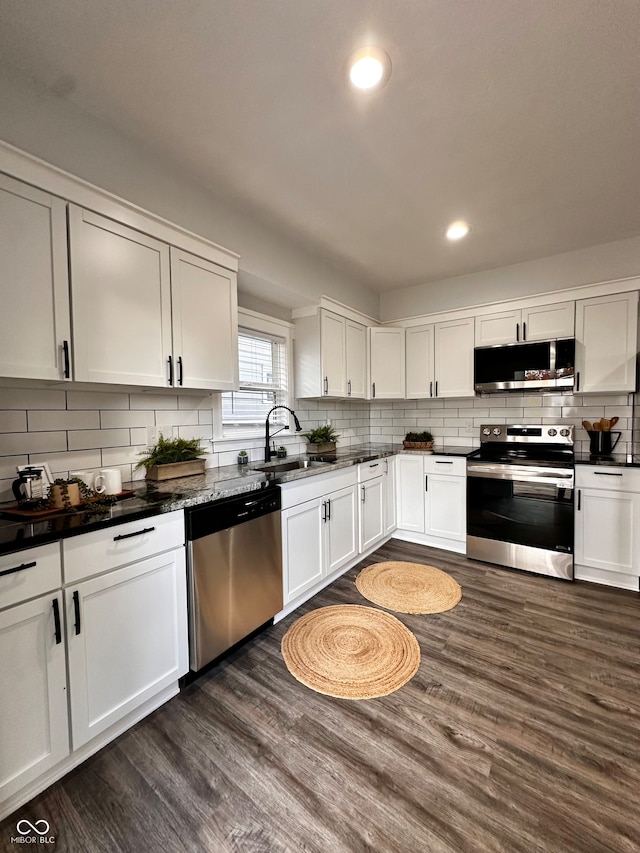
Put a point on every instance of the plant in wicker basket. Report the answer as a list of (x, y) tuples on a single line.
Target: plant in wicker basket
[(418, 441)]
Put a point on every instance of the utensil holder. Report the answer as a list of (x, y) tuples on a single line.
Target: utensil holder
[(602, 443)]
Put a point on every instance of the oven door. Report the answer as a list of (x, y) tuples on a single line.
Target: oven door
[(525, 506)]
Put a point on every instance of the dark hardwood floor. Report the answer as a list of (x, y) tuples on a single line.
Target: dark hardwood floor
[(520, 733)]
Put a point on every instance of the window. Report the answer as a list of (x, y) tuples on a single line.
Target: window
[(262, 362)]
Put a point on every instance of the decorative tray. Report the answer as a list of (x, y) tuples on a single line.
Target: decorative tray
[(14, 512)]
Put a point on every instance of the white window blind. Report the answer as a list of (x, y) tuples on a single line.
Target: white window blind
[(262, 362)]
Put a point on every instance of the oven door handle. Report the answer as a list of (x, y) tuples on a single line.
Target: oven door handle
[(565, 481)]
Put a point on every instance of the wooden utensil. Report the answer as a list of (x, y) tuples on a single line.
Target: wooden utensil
[(605, 424), (597, 426), (587, 425), (613, 422)]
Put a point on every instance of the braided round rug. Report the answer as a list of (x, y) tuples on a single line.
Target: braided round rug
[(351, 652), (409, 587)]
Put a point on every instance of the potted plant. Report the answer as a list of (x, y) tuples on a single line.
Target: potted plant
[(172, 457), (281, 452), (243, 457), (321, 440), (418, 441)]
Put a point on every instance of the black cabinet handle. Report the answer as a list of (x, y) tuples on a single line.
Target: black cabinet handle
[(364, 494), (426, 482), (349, 388), (76, 610), (179, 370), (524, 331), (431, 388), (579, 500), (65, 357), (518, 332), (56, 621), (443, 462), (606, 474), (578, 381), (135, 533), (374, 389), (326, 384), (324, 510), (329, 509), (17, 569), (436, 387), (170, 360)]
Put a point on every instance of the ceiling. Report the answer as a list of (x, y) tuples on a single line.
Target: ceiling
[(521, 116)]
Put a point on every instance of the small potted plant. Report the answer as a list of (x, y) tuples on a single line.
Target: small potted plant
[(321, 440), (172, 457), (281, 452), (418, 441), (243, 457)]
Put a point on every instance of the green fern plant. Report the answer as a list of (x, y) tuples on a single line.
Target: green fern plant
[(320, 435), (168, 450)]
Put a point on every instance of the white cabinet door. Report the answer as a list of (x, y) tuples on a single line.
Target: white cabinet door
[(387, 359), (127, 640), (332, 349), (372, 509), (205, 323), (356, 348), (410, 492), (606, 343), (445, 506), (341, 528), (454, 358), (34, 729), (121, 302), (390, 495), (547, 322), (607, 531), (500, 328), (419, 362), (302, 547), (34, 322)]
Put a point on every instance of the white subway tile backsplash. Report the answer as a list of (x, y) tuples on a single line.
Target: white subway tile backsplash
[(42, 420), (193, 401), (155, 401), (14, 443), (84, 439), (116, 419), (31, 398), (9, 465), (184, 417), (63, 462), (138, 435), (201, 431), (97, 400), (13, 421)]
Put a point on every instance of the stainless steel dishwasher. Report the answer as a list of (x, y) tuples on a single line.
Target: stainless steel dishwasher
[(234, 554)]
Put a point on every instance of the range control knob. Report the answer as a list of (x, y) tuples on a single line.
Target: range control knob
[(565, 432), (553, 432), (497, 430), (486, 431)]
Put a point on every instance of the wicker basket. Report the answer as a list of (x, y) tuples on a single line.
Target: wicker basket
[(417, 445)]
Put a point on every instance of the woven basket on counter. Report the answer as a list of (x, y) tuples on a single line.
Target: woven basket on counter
[(417, 445)]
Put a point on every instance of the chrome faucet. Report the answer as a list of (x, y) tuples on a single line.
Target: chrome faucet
[(268, 453)]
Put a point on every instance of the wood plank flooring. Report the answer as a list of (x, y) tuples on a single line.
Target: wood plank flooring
[(520, 733)]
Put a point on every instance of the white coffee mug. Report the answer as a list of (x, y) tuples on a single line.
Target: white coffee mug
[(87, 477), (109, 481)]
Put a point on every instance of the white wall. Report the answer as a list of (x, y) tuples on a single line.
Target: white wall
[(606, 262), (274, 267)]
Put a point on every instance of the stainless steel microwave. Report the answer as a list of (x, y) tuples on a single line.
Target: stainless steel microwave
[(525, 366)]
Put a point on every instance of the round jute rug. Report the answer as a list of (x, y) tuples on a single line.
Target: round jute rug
[(409, 587), (351, 652)]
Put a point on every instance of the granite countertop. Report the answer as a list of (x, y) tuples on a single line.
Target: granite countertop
[(617, 460), (152, 498)]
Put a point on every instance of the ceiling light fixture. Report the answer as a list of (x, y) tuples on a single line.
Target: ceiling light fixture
[(457, 230), (369, 68)]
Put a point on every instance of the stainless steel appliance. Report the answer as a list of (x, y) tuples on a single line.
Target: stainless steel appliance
[(234, 556), (520, 498), (542, 365)]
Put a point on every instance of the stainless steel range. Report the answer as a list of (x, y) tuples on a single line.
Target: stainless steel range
[(520, 498)]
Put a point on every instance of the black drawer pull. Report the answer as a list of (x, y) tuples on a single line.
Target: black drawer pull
[(56, 621), (17, 569), (65, 354), (426, 483), (76, 610), (606, 474), (130, 535), (375, 465), (443, 462)]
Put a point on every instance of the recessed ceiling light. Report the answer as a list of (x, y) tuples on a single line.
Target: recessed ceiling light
[(457, 230), (369, 68)]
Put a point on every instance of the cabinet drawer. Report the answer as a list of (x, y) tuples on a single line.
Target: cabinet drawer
[(102, 550), (609, 477), (370, 470), (316, 486), (41, 573), (445, 465)]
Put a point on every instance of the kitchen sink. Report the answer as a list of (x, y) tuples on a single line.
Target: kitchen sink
[(294, 465)]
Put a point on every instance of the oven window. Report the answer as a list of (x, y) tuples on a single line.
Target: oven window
[(536, 514)]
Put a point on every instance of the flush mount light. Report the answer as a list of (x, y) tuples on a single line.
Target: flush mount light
[(369, 68), (457, 230)]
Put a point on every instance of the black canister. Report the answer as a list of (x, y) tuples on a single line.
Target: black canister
[(602, 443)]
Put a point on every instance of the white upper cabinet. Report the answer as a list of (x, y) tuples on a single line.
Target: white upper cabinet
[(607, 343), (453, 358), (148, 314), (387, 360), (121, 302), (419, 361), (35, 331), (204, 322), (330, 356), (542, 323)]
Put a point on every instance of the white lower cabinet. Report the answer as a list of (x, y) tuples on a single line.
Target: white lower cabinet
[(607, 526), (372, 517), (431, 496), (122, 624), (390, 523)]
